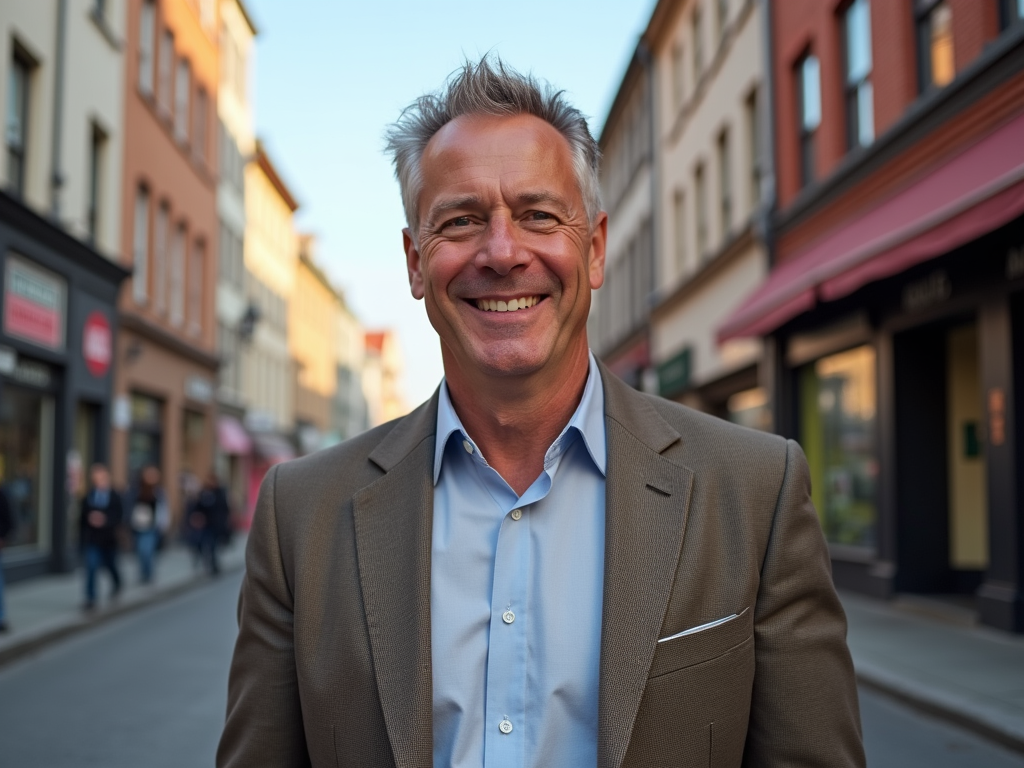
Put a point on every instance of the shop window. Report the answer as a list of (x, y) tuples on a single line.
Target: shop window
[(146, 434), (808, 89), (749, 408), (860, 113), (26, 459), (935, 64), (837, 432)]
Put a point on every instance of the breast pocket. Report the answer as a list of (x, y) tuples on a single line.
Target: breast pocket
[(687, 649)]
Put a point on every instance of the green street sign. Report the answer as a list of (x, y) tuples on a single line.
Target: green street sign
[(674, 374)]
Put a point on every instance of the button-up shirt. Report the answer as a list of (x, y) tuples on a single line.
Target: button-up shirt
[(515, 598)]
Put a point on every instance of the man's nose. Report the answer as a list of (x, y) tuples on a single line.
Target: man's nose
[(501, 250)]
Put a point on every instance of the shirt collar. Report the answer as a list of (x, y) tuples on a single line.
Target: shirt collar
[(588, 420)]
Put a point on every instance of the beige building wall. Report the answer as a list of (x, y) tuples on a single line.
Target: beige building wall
[(271, 262), (93, 70), (312, 334), (709, 59)]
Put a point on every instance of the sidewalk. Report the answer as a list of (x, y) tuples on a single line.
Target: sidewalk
[(938, 661), (45, 609)]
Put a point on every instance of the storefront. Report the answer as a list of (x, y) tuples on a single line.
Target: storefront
[(57, 299)]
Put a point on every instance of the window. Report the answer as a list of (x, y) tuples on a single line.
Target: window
[(147, 28), (197, 264), (860, 113), (199, 128), (166, 65), (679, 223), (16, 130), (721, 18), (700, 190), (160, 235), (935, 64), (837, 433), (808, 82), (754, 139), (176, 275), (182, 91), (1011, 12), (724, 183), (698, 44), (678, 87), (140, 246), (97, 152)]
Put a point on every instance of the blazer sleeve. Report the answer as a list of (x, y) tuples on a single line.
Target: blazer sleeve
[(264, 716), (804, 710)]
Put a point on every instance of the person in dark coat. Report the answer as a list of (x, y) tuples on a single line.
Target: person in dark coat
[(6, 528), (102, 513), (208, 518), (148, 518)]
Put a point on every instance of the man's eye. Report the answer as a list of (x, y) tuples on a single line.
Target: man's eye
[(461, 221), (540, 216)]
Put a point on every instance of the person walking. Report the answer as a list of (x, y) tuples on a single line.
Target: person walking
[(6, 528), (148, 519), (208, 518), (102, 513)]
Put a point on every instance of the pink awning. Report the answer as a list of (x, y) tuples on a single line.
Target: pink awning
[(971, 194), (231, 435)]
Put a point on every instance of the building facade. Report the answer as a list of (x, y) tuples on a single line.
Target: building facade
[(166, 374), (894, 312), (60, 237), (713, 189), (236, 315)]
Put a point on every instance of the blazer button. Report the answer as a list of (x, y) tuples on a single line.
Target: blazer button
[(505, 726)]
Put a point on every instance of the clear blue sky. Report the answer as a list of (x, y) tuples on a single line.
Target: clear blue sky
[(329, 76)]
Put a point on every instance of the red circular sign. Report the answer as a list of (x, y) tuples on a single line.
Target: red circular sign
[(97, 344)]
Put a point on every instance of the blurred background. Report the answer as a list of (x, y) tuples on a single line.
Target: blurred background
[(816, 228)]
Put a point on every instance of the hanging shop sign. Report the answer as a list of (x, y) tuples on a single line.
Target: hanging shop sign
[(35, 304), (97, 344)]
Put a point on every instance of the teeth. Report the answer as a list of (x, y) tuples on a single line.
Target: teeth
[(493, 305)]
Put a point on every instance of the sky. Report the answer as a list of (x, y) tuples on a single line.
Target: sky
[(329, 76)]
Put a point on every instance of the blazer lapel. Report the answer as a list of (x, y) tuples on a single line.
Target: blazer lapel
[(393, 520), (647, 499)]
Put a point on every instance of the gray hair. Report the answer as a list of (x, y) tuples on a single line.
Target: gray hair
[(490, 88)]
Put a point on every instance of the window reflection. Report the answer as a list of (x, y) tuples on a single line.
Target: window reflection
[(838, 411)]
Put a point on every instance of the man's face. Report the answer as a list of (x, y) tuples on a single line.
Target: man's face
[(100, 478), (503, 227)]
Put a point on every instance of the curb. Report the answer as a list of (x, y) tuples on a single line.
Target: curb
[(982, 720), (45, 636)]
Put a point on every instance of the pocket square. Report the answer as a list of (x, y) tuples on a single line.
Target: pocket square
[(701, 628)]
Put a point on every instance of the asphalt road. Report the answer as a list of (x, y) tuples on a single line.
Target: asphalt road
[(148, 690)]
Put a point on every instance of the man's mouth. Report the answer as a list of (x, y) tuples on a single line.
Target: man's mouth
[(507, 305)]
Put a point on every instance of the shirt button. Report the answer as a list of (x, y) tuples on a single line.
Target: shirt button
[(508, 617), (516, 514), (468, 446), (505, 726)]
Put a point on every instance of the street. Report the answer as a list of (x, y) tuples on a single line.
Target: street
[(148, 690)]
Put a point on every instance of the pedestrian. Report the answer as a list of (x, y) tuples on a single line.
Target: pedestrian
[(208, 517), (148, 518), (540, 566), (101, 516), (6, 529)]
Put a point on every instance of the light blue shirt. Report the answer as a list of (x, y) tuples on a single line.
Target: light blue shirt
[(516, 591)]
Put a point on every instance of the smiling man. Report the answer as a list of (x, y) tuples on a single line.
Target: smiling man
[(539, 566)]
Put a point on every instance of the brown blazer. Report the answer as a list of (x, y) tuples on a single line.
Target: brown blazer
[(704, 519)]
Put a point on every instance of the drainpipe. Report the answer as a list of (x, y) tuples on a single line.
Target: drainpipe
[(57, 172)]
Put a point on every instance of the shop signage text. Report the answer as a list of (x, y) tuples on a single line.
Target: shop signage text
[(927, 292), (97, 346), (34, 304), (1015, 263), (32, 373)]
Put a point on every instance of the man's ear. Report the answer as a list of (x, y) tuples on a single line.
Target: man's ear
[(598, 242), (412, 263)]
